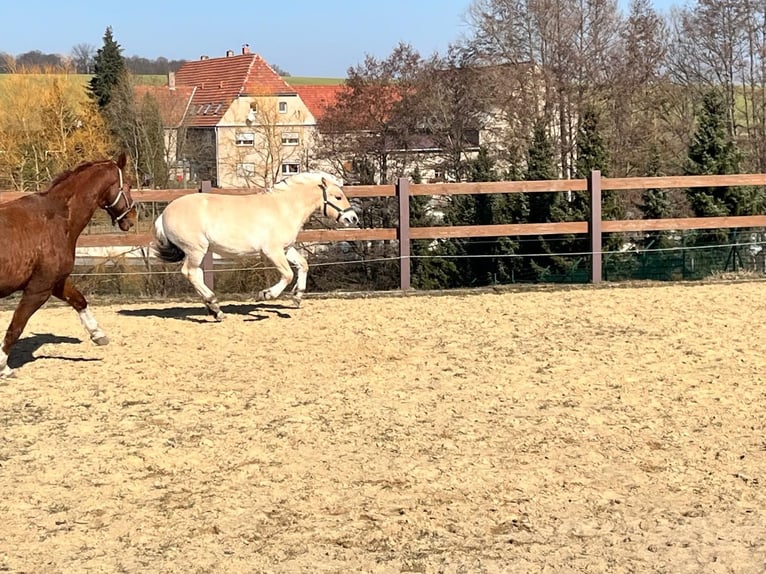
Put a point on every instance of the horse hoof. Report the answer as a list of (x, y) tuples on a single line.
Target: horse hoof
[(297, 302), (101, 341), (7, 373), (219, 316)]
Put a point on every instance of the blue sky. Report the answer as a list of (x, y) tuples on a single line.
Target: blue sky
[(303, 37)]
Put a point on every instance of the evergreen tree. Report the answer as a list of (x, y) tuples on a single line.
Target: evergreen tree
[(544, 207), (655, 262), (490, 209), (431, 267), (712, 152), (592, 155), (655, 204), (108, 68)]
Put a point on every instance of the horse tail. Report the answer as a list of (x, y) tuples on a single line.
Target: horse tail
[(163, 247)]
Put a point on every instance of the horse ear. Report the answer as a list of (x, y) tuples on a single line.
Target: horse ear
[(122, 160), (323, 185)]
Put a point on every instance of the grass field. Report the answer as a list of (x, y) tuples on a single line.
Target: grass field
[(162, 80)]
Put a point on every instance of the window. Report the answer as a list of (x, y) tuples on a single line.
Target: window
[(282, 107), (290, 138), (245, 138), (290, 168), (245, 169)]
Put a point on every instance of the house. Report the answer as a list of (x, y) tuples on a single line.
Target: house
[(242, 124)]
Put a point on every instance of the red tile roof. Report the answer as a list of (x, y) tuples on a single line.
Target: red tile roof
[(173, 103), (318, 98), (219, 81)]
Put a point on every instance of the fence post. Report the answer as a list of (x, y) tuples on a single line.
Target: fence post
[(403, 232), (594, 226), (207, 261)]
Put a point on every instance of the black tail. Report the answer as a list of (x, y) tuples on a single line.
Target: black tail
[(168, 251)]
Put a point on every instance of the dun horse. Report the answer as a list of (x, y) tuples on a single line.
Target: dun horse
[(38, 235), (239, 225)]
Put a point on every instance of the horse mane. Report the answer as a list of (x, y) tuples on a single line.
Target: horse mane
[(60, 178), (305, 177)]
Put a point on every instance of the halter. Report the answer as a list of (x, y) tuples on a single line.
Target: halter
[(326, 202), (120, 195)]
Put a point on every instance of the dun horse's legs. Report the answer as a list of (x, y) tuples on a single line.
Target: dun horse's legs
[(30, 302), (192, 270), (279, 259), (294, 257), (66, 291)]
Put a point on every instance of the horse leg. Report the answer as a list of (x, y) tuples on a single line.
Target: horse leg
[(294, 257), (279, 259), (67, 292), (192, 270), (30, 302)]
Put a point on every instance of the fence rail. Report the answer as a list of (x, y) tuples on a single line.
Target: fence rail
[(404, 233)]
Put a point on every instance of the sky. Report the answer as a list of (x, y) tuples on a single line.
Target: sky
[(319, 38)]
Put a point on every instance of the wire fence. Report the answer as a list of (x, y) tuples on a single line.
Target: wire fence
[(376, 266)]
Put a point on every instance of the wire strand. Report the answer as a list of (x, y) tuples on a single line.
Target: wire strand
[(636, 251)]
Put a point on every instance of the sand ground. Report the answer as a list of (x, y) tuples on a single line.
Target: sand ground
[(559, 431)]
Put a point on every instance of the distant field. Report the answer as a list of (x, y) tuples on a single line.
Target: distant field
[(294, 81), (83, 79), (161, 79)]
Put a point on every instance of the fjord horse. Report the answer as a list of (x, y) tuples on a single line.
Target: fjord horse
[(38, 236), (239, 225)]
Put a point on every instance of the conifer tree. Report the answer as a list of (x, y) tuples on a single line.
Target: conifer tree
[(429, 270), (712, 152), (543, 207), (108, 68), (592, 155)]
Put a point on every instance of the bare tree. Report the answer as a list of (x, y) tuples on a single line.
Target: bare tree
[(45, 127), (370, 121), (274, 144), (637, 90), (559, 51), (136, 126), (82, 58), (719, 44)]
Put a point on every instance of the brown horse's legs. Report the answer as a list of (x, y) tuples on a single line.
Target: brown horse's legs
[(66, 291), (192, 270), (30, 302)]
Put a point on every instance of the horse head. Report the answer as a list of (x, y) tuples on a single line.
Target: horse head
[(335, 199), (120, 205)]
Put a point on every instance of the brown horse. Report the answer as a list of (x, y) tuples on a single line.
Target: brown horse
[(38, 235)]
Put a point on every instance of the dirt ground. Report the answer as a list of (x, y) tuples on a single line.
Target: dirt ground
[(572, 430)]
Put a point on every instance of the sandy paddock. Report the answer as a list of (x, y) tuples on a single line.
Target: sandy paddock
[(572, 430)]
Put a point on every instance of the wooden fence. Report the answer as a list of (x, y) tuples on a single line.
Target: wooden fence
[(595, 227)]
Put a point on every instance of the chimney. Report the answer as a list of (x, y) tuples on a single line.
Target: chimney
[(229, 53), (172, 80), (245, 49), (203, 57)]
